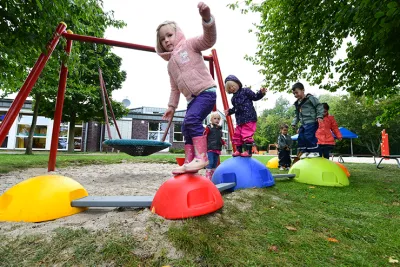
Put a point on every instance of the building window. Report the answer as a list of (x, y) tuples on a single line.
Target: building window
[(178, 136), (156, 131), (63, 136), (5, 142), (78, 136), (39, 136)]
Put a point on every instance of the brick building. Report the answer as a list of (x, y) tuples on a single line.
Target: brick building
[(140, 123)]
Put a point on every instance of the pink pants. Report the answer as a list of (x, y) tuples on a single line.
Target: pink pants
[(244, 133)]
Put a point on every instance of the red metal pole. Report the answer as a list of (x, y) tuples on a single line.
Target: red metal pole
[(223, 93), (29, 83), (211, 66), (62, 84), (110, 106), (104, 104), (91, 39)]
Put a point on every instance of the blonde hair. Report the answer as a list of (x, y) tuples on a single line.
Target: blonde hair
[(229, 84), (159, 46), (215, 114)]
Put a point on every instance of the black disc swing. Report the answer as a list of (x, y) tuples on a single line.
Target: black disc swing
[(133, 147), (137, 147)]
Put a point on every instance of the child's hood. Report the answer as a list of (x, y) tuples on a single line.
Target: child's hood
[(179, 37), (234, 79)]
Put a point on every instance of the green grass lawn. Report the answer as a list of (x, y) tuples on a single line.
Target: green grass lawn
[(290, 224)]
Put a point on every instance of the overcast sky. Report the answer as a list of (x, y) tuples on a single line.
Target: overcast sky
[(147, 82)]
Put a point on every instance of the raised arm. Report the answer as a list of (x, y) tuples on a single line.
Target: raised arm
[(335, 128), (209, 36), (255, 96)]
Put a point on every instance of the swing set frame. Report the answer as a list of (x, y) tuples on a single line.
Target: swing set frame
[(61, 31)]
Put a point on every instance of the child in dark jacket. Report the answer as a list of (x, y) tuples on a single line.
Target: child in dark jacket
[(214, 143), (309, 112), (245, 114), (284, 145)]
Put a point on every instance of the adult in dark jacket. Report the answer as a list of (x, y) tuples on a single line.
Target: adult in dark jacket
[(245, 114)]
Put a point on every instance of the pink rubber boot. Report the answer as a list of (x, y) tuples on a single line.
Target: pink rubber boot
[(200, 154), (248, 151), (209, 173), (238, 151), (189, 155)]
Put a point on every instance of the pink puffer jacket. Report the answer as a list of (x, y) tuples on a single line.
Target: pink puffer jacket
[(186, 68), (324, 134)]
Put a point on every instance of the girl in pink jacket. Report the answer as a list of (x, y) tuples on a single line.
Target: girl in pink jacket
[(190, 76), (326, 142)]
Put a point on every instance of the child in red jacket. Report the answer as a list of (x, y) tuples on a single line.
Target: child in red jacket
[(326, 142)]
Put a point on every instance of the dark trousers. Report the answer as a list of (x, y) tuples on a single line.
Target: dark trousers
[(307, 142), (212, 160), (284, 158), (197, 111), (325, 150)]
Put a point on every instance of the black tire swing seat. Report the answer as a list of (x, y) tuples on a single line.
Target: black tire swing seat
[(137, 147)]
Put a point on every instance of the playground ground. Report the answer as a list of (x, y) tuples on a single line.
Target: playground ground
[(138, 179), (286, 225)]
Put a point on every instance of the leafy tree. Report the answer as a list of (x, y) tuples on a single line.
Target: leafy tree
[(358, 115), (82, 97), (26, 27), (26, 31), (300, 40), (268, 124)]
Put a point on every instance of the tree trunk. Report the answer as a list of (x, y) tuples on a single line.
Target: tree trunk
[(29, 146), (370, 145), (71, 135)]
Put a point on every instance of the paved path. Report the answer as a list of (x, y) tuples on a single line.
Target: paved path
[(365, 160), (362, 160)]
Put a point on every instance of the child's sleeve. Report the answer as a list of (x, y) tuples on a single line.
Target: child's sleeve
[(318, 107), (289, 141), (231, 111), (174, 95), (223, 142), (253, 96), (296, 118), (206, 131), (281, 143), (335, 128), (207, 39)]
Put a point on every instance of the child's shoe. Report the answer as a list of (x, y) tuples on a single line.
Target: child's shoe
[(238, 151), (245, 154), (313, 155), (248, 151), (304, 155), (209, 173), (236, 154)]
